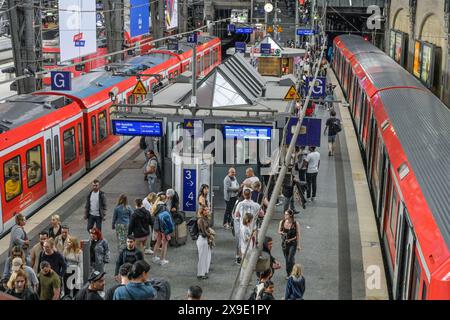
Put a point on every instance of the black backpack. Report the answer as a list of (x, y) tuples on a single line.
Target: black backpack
[(193, 228), (336, 126), (142, 143)]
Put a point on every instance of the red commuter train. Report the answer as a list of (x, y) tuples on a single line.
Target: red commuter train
[(48, 140), (404, 136)]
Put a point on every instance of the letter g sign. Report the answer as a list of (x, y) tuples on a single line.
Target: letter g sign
[(60, 80)]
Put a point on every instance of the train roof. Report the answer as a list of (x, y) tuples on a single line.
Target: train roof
[(422, 124), (20, 109), (420, 120)]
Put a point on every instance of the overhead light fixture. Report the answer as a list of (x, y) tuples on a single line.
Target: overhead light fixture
[(268, 7)]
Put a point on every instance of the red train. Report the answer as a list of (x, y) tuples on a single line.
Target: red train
[(404, 136), (48, 139)]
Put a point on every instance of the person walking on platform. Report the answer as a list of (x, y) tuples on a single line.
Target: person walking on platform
[(99, 251), (55, 228), (251, 178), (203, 198), (333, 126), (18, 235), (61, 240), (49, 282), (95, 208), (150, 170), (121, 220), (194, 293), (148, 203), (312, 163), (288, 193), (140, 223), (130, 254), (162, 239), (36, 251), (295, 287), (56, 259), (18, 286), (289, 229), (230, 195), (203, 244)]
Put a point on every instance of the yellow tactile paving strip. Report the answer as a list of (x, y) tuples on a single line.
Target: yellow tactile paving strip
[(56, 204), (375, 278)]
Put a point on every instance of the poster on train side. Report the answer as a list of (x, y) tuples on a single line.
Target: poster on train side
[(77, 28), (171, 14)]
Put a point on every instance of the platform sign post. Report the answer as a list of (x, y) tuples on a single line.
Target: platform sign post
[(241, 47), (61, 80), (192, 38), (319, 87), (190, 190), (139, 17)]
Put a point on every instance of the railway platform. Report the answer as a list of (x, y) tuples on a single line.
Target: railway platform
[(340, 252)]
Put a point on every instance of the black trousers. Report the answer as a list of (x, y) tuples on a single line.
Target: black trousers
[(97, 220), (227, 218), (289, 256), (311, 183)]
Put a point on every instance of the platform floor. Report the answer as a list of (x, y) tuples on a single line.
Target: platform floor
[(332, 247)]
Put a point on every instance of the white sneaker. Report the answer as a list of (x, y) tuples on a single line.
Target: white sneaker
[(156, 259), (148, 251), (164, 262)]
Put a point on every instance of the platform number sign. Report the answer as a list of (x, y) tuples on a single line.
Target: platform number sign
[(61, 80), (189, 190), (319, 86), (192, 38)]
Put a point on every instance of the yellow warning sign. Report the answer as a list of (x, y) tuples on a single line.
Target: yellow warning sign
[(292, 94), (280, 29), (189, 124), (269, 29), (139, 88)]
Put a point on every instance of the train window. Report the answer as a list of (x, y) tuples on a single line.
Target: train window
[(394, 211), (102, 125), (424, 291), (13, 178), (70, 152), (94, 130), (56, 150), (415, 280), (48, 150), (34, 166), (80, 139)]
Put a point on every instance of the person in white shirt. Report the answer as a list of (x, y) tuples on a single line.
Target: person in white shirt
[(148, 202), (95, 208), (312, 163)]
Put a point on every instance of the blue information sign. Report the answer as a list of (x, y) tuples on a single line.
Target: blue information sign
[(266, 48), (189, 190), (231, 27), (319, 87), (247, 132), (61, 80), (240, 47), (247, 30), (137, 128), (310, 133), (305, 32), (139, 17), (192, 38)]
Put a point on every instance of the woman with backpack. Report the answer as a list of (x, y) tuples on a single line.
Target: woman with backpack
[(205, 237), (159, 212), (140, 222), (99, 251), (289, 229), (121, 220)]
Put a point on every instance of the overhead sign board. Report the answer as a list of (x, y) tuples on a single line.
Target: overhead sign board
[(305, 32), (172, 44), (139, 88), (292, 94), (246, 30), (192, 38), (189, 190), (240, 47), (318, 87), (247, 132), (61, 80), (77, 28), (266, 48), (310, 132), (137, 128), (139, 17)]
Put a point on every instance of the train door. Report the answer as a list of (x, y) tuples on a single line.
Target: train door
[(53, 160), (405, 253), (1, 216)]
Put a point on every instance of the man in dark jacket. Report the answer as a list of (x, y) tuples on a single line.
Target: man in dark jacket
[(140, 222), (54, 258), (95, 208), (128, 255), (96, 285)]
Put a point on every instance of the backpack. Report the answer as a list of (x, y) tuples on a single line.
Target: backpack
[(162, 287), (166, 222), (142, 143), (193, 228), (336, 126)]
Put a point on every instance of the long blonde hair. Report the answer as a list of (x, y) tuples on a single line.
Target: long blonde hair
[(14, 276), (155, 205), (297, 271), (74, 247)]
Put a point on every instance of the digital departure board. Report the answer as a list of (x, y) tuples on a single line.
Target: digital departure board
[(137, 128)]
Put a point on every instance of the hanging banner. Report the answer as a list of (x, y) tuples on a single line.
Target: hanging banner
[(77, 28), (171, 14), (139, 17)]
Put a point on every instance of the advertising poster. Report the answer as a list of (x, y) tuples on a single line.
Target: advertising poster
[(398, 47), (392, 44), (77, 28), (427, 54), (417, 56), (171, 14)]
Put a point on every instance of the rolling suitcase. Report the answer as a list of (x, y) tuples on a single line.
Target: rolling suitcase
[(179, 237)]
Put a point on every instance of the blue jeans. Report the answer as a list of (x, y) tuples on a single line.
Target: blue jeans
[(97, 220), (152, 184)]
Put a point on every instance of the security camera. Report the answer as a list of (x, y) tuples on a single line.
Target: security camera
[(113, 93)]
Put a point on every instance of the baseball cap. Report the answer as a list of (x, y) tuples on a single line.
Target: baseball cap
[(95, 276), (16, 264)]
